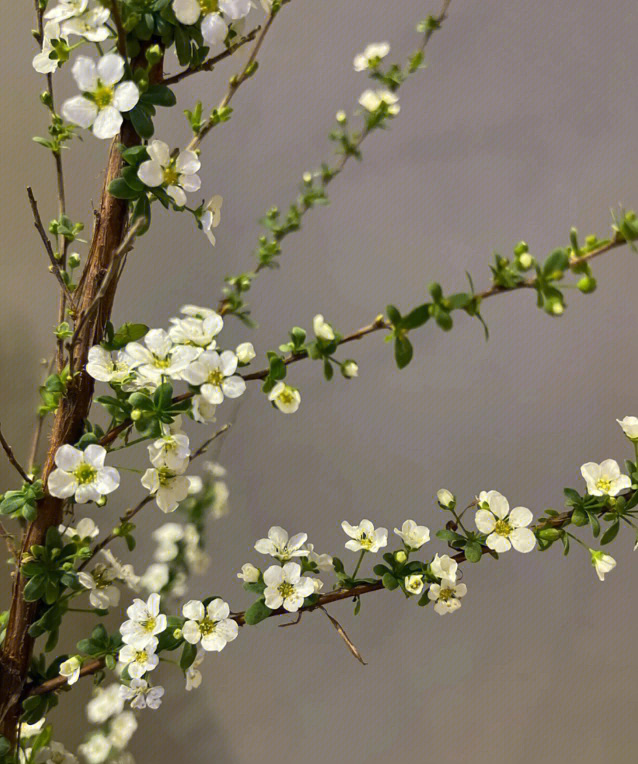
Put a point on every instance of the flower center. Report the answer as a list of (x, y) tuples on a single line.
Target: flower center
[(365, 540), (446, 594), (207, 626), (141, 656), (171, 176), (502, 528), (103, 95), (215, 377), (286, 589), (208, 6), (603, 484), (165, 476), (286, 396), (161, 363), (149, 624), (84, 473)]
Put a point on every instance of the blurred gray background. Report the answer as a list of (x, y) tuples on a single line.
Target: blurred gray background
[(523, 125)]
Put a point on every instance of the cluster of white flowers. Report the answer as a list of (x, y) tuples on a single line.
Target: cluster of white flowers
[(106, 709), (214, 16)]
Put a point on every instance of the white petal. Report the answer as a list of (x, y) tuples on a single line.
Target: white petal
[(194, 610), (159, 151), (107, 123), (108, 480), (190, 183), (191, 632), (186, 11), (520, 517), (86, 492), (126, 95), (498, 543), (61, 484), (273, 599), (218, 610), (485, 520), (523, 539), (187, 162), (610, 468), (213, 394), (110, 68), (499, 505), (95, 455), (233, 387), (80, 111), (292, 572), (228, 363), (68, 458), (273, 576), (85, 73), (151, 173), (177, 195), (214, 29)]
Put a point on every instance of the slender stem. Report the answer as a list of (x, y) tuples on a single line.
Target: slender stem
[(359, 561), (11, 457)]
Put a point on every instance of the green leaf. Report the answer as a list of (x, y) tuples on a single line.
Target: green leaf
[(550, 534), (189, 653), (403, 351), (595, 525), (257, 612), (473, 551), (394, 315), (610, 534), (120, 189), (125, 334), (160, 95), (389, 581), (141, 121), (579, 517), (135, 155), (416, 317)]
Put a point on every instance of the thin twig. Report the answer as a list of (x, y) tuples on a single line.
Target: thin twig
[(37, 434), (210, 63), (10, 456), (9, 541), (55, 266), (342, 633)]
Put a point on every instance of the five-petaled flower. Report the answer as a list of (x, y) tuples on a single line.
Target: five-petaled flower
[(604, 479), (209, 624), (159, 357), (413, 535), (279, 545), (82, 474), (444, 567), (141, 694), (286, 587), (364, 537), (504, 528), (102, 99), (168, 486), (215, 374), (176, 174), (145, 622), (373, 100), (286, 398), (446, 596), (139, 660), (105, 366)]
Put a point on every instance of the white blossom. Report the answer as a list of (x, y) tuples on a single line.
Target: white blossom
[(364, 537), (156, 577), (249, 573), (167, 536), (70, 669), (629, 426), (172, 450), (604, 479), (159, 357), (139, 660), (414, 584), (446, 596), (286, 398), (54, 753), (142, 695), (322, 561), (446, 498), (102, 99), (82, 474), (505, 528), (286, 587), (145, 622), (168, 487), (67, 9), (103, 592), (211, 217), (122, 729), (123, 572), (91, 25), (350, 369), (235, 9), (42, 62), (209, 624), (413, 535), (322, 329), (371, 56), (30, 730), (444, 566), (105, 366), (106, 703), (193, 674), (202, 410), (245, 352), (215, 374), (97, 748), (280, 546), (175, 174), (199, 332), (372, 100), (214, 28), (85, 529), (603, 563)]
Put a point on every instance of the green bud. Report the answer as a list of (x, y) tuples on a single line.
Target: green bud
[(45, 98), (587, 284), (525, 261), (136, 414), (74, 260), (101, 501), (153, 55), (400, 556), (521, 248), (177, 634)]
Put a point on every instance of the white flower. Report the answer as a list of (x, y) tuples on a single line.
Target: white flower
[(193, 674), (90, 25), (209, 624), (82, 474), (603, 563), (219, 507), (629, 426), (29, 730), (216, 375), (365, 537), (372, 100), (168, 487), (108, 367), (71, 669), (122, 729), (235, 9), (214, 28), (286, 398), (54, 753), (446, 498), (446, 596), (413, 535), (172, 450), (103, 593), (84, 530), (444, 567), (97, 748), (371, 56), (66, 9), (202, 410), (249, 573), (42, 62), (160, 358), (141, 695), (350, 369), (200, 332), (322, 561), (145, 622), (103, 98), (167, 536), (107, 702), (211, 217), (175, 174), (280, 546), (156, 577), (286, 587), (414, 584), (124, 573), (245, 352), (139, 661), (322, 329), (505, 529), (197, 311), (195, 485), (604, 479)]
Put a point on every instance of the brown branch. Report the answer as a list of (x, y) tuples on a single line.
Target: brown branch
[(210, 63), (11, 457)]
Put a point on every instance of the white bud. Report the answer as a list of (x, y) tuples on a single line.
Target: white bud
[(350, 369), (445, 498), (249, 573), (245, 352), (629, 426), (322, 329)]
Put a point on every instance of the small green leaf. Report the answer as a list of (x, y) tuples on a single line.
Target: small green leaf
[(610, 534), (257, 612), (403, 351)]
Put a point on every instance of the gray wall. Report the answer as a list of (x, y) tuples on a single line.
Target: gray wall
[(523, 125)]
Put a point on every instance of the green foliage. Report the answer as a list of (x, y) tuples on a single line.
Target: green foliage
[(101, 644), (116, 340), (23, 502), (49, 569), (150, 411), (52, 391)]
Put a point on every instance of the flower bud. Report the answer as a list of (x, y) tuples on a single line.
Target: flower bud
[(74, 260), (136, 414), (249, 573), (446, 498), (177, 634), (525, 261), (400, 556), (101, 501), (245, 352), (587, 284), (322, 328), (307, 178), (629, 426), (521, 248), (341, 117), (349, 369)]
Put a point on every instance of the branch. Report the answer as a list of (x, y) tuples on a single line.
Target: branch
[(10, 456), (210, 63)]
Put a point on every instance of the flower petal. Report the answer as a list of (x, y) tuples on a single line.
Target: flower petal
[(159, 151), (107, 123), (126, 96), (187, 162), (520, 517), (85, 73), (80, 111), (110, 68), (151, 173), (485, 520), (523, 539)]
